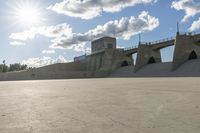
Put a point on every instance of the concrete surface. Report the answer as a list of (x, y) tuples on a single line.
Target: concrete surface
[(126, 105), (189, 69), (145, 52), (184, 45)]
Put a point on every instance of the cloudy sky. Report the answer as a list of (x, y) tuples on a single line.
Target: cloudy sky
[(42, 32)]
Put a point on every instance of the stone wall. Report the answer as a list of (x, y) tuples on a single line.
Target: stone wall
[(56, 71)]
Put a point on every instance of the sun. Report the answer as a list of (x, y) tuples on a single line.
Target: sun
[(28, 14)]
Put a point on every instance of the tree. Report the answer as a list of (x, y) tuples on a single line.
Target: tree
[(17, 67), (14, 67), (24, 67), (1, 67), (5, 68)]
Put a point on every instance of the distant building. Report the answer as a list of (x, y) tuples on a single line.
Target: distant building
[(80, 59), (105, 56), (103, 43)]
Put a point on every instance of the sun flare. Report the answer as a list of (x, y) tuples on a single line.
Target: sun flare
[(28, 14)]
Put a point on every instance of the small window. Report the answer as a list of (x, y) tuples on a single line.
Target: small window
[(110, 46)]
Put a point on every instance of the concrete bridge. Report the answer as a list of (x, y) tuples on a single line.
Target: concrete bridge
[(156, 45), (106, 58), (187, 47), (149, 53), (131, 50), (160, 44)]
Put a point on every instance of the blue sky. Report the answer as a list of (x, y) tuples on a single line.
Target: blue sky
[(40, 31)]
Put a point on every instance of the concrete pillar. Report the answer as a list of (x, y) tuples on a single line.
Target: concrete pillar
[(108, 60), (147, 55), (94, 62), (185, 47), (113, 59)]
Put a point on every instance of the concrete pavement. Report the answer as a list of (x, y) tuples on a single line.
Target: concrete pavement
[(109, 105)]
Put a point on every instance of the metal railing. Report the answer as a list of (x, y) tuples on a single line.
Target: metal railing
[(150, 43), (161, 41), (195, 33), (189, 33), (130, 48)]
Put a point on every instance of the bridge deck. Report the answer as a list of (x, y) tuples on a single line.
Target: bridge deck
[(129, 51), (157, 45), (164, 44)]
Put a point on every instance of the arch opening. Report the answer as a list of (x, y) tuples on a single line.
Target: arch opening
[(167, 54), (192, 55), (124, 64), (151, 60)]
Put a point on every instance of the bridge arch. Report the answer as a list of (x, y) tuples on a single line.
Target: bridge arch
[(151, 60), (192, 55), (124, 64)]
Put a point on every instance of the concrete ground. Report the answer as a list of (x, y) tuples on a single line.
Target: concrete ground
[(126, 105)]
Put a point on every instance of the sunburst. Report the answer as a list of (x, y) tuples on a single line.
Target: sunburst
[(28, 13)]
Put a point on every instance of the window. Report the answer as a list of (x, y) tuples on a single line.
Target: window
[(110, 46)]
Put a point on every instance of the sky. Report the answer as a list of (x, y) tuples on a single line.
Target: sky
[(43, 32)]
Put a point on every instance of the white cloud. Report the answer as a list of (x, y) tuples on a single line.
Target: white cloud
[(44, 61), (47, 31), (195, 25), (191, 7), (79, 48), (63, 37), (17, 43), (88, 9), (123, 28), (48, 51)]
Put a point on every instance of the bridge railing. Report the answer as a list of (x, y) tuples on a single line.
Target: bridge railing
[(189, 33), (130, 48), (195, 33), (170, 38), (150, 43), (161, 41)]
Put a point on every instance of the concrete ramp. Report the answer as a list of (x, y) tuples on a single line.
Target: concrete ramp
[(123, 72), (157, 69), (190, 68)]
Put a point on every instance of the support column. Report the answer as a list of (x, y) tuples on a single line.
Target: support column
[(147, 55), (186, 48)]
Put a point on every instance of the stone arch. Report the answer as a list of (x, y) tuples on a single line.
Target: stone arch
[(124, 64), (192, 55), (151, 60)]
